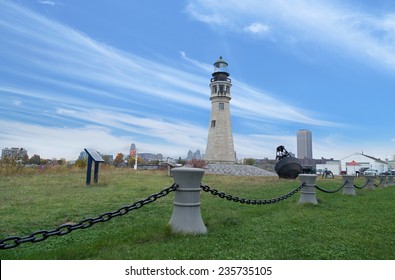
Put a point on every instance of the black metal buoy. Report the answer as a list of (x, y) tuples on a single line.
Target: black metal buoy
[(287, 167)]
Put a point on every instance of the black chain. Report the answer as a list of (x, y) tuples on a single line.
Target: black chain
[(331, 191), (377, 185), (250, 201), (364, 186), (41, 235)]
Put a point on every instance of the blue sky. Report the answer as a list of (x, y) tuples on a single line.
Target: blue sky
[(103, 74)]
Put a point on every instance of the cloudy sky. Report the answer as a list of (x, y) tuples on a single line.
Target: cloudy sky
[(104, 74)]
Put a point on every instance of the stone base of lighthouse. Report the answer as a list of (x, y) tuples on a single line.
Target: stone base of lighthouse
[(220, 147)]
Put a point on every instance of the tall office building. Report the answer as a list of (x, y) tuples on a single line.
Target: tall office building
[(304, 144), (132, 150), (220, 139)]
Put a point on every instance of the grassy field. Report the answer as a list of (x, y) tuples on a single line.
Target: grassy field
[(339, 227)]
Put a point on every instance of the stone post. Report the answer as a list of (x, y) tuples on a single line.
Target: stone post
[(348, 180), (370, 182), (383, 181), (391, 180), (308, 190), (186, 217)]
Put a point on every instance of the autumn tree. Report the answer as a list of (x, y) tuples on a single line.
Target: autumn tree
[(118, 161)]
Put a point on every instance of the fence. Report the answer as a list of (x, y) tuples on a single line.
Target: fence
[(186, 216)]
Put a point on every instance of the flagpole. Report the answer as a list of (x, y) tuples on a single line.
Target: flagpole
[(135, 161)]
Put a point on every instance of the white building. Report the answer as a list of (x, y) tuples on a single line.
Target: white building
[(331, 165), (359, 162)]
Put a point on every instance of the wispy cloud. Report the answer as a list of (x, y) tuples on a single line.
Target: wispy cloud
[(210, 16), (47, 2), (329, 24), (176, 132), (73, 62), (257, 28), (95, 91), (48, 141)]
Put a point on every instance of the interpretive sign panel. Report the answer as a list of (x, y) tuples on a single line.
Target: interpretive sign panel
[(93, 156)]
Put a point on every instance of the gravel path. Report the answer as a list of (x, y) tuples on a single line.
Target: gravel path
[(237, 170)]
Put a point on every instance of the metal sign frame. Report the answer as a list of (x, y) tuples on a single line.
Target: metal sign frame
[(93, 156)]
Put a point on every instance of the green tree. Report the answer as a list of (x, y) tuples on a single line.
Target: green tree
[(106, 159), (35, 159), (132, 160), (181, 161), (249, 161)]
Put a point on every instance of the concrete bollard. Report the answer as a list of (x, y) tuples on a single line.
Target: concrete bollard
[(391, 180), (186, 217), (383, 181), (370, 182), (307, 193), (349, 184)]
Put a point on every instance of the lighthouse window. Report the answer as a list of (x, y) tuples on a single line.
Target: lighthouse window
[(213, 123), (221, 88), (214, 89), (221, 106)]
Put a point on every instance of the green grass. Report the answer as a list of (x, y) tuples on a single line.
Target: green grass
[(339, 227)]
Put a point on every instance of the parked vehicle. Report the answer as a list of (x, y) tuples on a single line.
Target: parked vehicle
[(374, 172)]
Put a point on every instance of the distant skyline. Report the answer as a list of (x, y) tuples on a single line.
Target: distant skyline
[(105, 74)]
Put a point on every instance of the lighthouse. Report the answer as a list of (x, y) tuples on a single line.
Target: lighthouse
[(220, 148)]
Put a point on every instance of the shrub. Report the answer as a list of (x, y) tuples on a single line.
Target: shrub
[(249, 161), (197, 163), (10, 167), (80, 163)]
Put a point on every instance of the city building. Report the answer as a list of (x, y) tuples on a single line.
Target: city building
[(150, 157), (132, 150), (83, 156), (333, 166), (220, 146), (14, 153), (304, 144), (194, 155)]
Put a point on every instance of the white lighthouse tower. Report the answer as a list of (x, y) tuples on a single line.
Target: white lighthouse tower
[(220, 148)]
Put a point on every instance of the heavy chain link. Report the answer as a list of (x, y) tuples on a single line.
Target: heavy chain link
[(362, 187), (41, 235), (331, 191), (379, 184), (250, 201)]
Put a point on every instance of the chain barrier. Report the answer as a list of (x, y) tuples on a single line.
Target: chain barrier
[(41, 235), (377, 185), (331, 191), (250, 201), (362, 187)]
